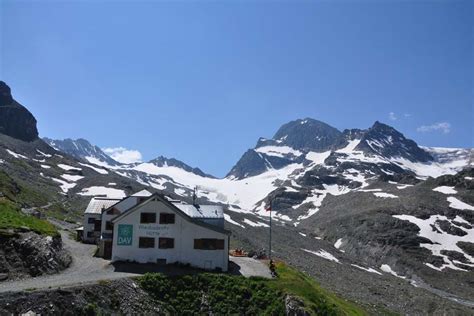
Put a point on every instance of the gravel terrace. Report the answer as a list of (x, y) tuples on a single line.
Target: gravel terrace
[(86, 269)]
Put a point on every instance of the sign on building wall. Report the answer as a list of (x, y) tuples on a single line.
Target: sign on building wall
[(125, 235)]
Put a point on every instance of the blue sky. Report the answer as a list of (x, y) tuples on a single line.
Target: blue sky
[(201, 81)]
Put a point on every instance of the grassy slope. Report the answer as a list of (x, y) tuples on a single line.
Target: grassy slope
[(318, 300), (226, 294), (11, 217)]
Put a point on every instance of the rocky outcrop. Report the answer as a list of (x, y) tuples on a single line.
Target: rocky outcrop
[(120, 297), (15, 120), (295, 306), (26, 253)]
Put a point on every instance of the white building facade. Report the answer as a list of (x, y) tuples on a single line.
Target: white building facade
[(159, 231), (92, 218), (106, 231)]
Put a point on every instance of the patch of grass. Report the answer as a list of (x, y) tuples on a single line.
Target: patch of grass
[(318, 300), (228, 294), (20, 192), (220, 294), (11, 217)]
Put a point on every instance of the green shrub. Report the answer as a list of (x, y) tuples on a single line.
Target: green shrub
[(217, 293)]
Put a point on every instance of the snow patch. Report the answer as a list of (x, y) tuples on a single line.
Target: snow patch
[(317, 158), (68, 167), (459, 205), (43, 154), (227, 218), (386, 268), (323, 254), (71, 178), (98, 170), (255, 224), (278, 151), (366, 269), (385, 195), (14, 154), (445, 190), (64, 185), (103, 191)]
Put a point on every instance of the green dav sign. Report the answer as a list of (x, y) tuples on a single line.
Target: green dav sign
[(125, 235)]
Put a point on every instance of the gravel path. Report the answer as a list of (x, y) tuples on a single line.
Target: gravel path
[(86, 269), (251, 267)]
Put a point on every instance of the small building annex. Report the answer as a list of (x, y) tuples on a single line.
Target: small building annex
[(149, 228)]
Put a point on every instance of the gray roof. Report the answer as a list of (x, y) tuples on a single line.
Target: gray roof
[(97, 204), (201, 211), (142, 193), (184, 214)]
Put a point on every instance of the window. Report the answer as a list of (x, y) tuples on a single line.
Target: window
[(91, 220), (166, 218), (97, 225), (147, 218), (109, 225), (208, 244), (146, 242), (166, 243)]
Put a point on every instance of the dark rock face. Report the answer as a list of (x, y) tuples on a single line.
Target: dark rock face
[(308, 134), (249, 165), (450, 229), (15, 120), (29, 254), (386, 141)]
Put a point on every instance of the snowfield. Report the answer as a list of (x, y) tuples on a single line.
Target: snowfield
[(245, 193), (442, 240), (103, 191)]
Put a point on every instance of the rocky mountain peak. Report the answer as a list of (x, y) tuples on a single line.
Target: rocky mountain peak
[(82, 149), (386, 141), (5, 94), (15, 120), (305, 134)]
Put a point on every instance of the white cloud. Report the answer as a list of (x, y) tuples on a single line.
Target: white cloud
[(407, 115), (444, 127), (124, 155), (392, 116)]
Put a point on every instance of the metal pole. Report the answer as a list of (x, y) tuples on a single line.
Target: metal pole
[(270, 242)]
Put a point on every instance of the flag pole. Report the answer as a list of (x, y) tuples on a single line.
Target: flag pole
[(270, 240)]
